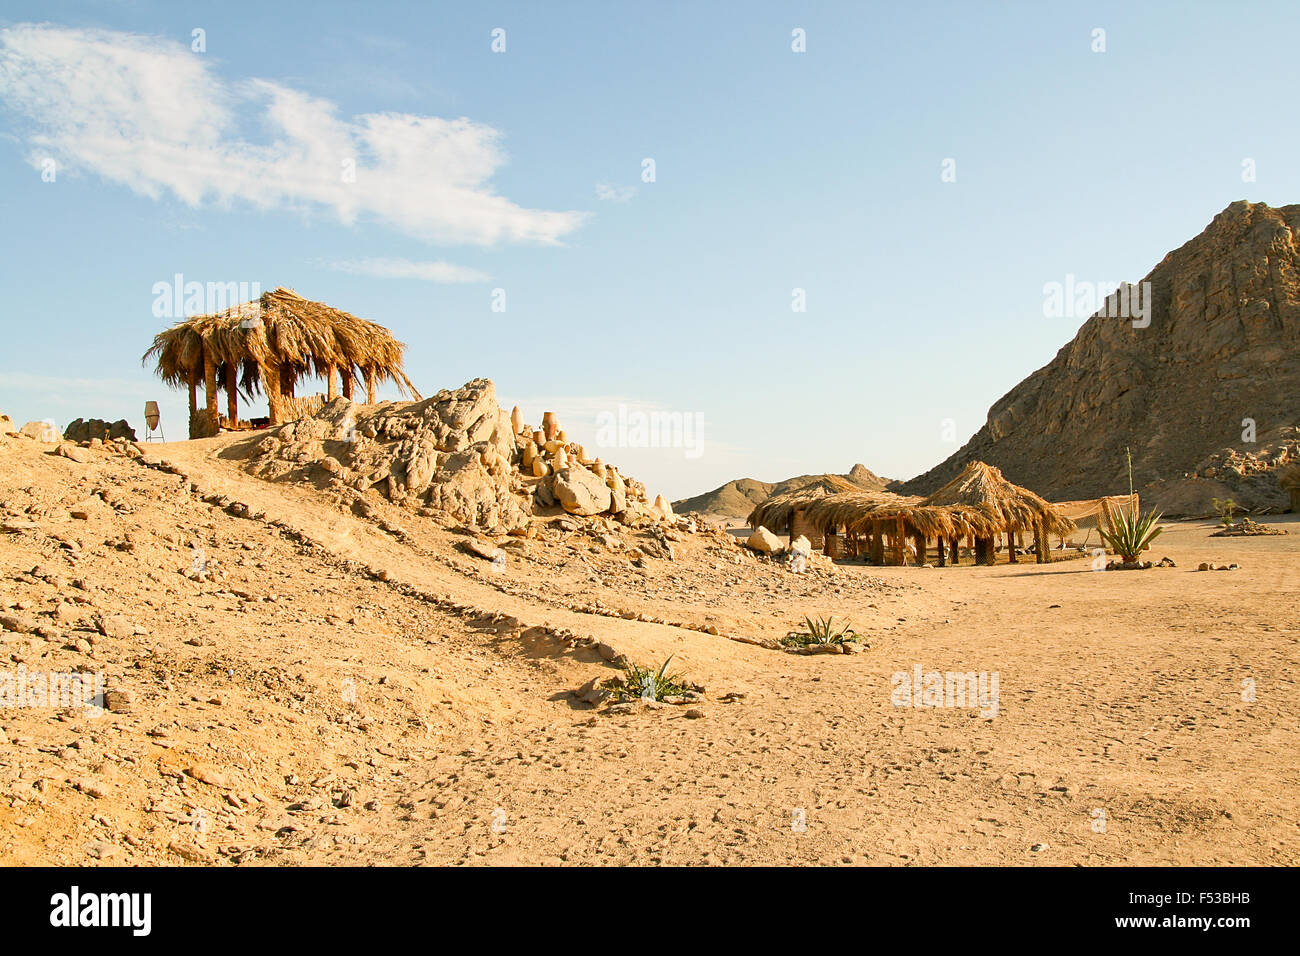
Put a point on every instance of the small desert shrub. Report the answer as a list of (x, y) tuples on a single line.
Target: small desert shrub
[(821, 631), (1224, 507), (646, 683), (1132, 534)]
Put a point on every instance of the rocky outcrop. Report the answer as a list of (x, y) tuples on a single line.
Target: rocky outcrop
[(81, 430), (456, 453), (1218, 366)]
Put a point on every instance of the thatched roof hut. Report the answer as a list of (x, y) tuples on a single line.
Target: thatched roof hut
[(981, 489), (776, 513), (980, 504), (271, 344)]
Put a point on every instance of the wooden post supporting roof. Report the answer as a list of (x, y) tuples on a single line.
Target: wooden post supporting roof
[(210, 393), (1011, 545), (1042, 546), (271, 385), (331, 386), (371, 386), (900, 541), (346, 373), (232, 393)]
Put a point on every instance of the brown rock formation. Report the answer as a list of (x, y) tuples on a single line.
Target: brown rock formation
[(1223, 345)]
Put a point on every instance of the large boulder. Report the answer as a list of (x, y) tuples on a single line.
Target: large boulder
[(42, 431), (7, 426), (582, 492), (765, 542)]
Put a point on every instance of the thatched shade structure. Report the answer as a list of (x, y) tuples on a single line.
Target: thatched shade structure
[(777, 513), (270, 345), (867, 519), (982, 491), (978, 505)]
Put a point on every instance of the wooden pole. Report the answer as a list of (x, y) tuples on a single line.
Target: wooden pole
[(271, 385), (1011, 545), (1042, 545), (900, 539), (331, 386), (954, 546), (346, 373), (943, 552), (371, 386), (210, 394), (232, 394)]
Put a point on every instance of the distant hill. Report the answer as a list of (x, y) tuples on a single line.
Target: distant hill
[(736, 499), (1205, 392)]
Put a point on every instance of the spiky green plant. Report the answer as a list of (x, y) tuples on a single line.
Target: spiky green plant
[(646, 683), (1133, 531), (1132, 534), (823, 630)]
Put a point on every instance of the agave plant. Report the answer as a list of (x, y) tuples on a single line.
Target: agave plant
[(1132, 533), (824, 630), (650, 684)]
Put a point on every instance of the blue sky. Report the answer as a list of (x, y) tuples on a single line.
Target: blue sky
[(774, 171)]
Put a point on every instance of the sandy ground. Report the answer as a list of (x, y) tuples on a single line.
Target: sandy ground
[(328, 691)]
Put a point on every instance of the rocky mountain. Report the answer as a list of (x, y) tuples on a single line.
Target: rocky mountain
[(736, 499), (1204, 388)]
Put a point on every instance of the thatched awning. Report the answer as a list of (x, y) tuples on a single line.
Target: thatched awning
[(284, 332), (856, 512), (775, 513)]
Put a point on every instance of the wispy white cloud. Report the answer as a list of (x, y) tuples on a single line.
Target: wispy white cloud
[(406, 269), (607, 192), (149, 114)]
